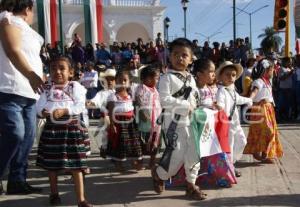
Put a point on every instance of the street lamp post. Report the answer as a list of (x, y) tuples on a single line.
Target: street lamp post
[(234, 22), (250, 20), (184, 6), (166, 26)]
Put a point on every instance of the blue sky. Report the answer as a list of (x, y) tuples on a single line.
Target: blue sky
[(210, 16)]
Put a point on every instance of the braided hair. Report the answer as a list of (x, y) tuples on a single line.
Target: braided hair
[(260, 69)]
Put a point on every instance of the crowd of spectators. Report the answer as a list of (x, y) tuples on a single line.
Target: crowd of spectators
[(132, 55)]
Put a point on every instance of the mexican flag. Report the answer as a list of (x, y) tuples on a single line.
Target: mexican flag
[(47, 20), (93, 19), (210, 129)]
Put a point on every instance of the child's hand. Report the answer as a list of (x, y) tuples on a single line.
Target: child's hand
[(45, 113), (58, 113), (191, 109), (250, 103), (214, 106), (89, 104)]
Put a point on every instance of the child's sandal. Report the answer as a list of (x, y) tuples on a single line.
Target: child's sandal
[(54, 199), (84, 204), (257, 156), (268, 161), (158, 184), (195, 193), (237, 173)]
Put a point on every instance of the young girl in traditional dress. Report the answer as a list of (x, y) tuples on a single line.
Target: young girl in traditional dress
[(217, 169), (123, 135), (64, 141), (263, 138), (149, 109), (204, 71)]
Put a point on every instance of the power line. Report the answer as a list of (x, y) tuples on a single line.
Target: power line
[(229, 21), (216, 7), (205, 10)]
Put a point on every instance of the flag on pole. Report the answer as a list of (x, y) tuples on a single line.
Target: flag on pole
[(93, 16), (47, 20), (210, 129)]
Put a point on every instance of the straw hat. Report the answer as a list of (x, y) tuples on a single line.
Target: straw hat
[(108, 73), (251, 56), (238, 68)]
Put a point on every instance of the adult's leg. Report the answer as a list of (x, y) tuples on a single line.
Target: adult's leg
[(12, 128), (18, 166)]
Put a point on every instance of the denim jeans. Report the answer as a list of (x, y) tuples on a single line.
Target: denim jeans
[(17, 129), (285, 102)]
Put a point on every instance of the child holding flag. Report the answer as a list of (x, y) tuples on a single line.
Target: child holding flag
[(228, 100)]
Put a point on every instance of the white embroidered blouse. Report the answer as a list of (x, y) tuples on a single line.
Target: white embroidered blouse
[(70, 96)]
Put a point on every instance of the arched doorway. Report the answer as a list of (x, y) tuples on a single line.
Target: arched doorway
[(130, 32), (80, 31)]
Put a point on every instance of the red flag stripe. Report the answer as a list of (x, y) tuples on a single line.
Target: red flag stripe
[(99, 12), (53, 20), (222, 130)]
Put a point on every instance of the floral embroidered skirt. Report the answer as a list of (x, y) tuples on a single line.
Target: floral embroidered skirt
[(263, 132), (216, 170)]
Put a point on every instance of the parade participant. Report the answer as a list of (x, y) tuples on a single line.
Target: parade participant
[(204, 70), (216, 168), (90, 81), (263, 138), (228, 100), (148, 109), (64, 141), (107, 79), (246, 77), (21, 75), (177, 90), (123, 135)]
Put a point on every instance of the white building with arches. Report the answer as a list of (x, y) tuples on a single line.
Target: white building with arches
[(124, 20)]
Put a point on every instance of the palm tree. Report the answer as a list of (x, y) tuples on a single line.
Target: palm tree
[(271, 40)]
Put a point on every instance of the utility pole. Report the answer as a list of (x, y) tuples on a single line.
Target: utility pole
[(287, 31), (234, 22), (250, 18)]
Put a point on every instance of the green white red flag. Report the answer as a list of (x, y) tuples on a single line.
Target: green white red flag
[(93, 19), (211, 130), (47, 20)]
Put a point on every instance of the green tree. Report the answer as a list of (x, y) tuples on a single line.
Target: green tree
[(271, 40)]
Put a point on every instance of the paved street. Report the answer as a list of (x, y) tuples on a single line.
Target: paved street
[(260, 185)]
